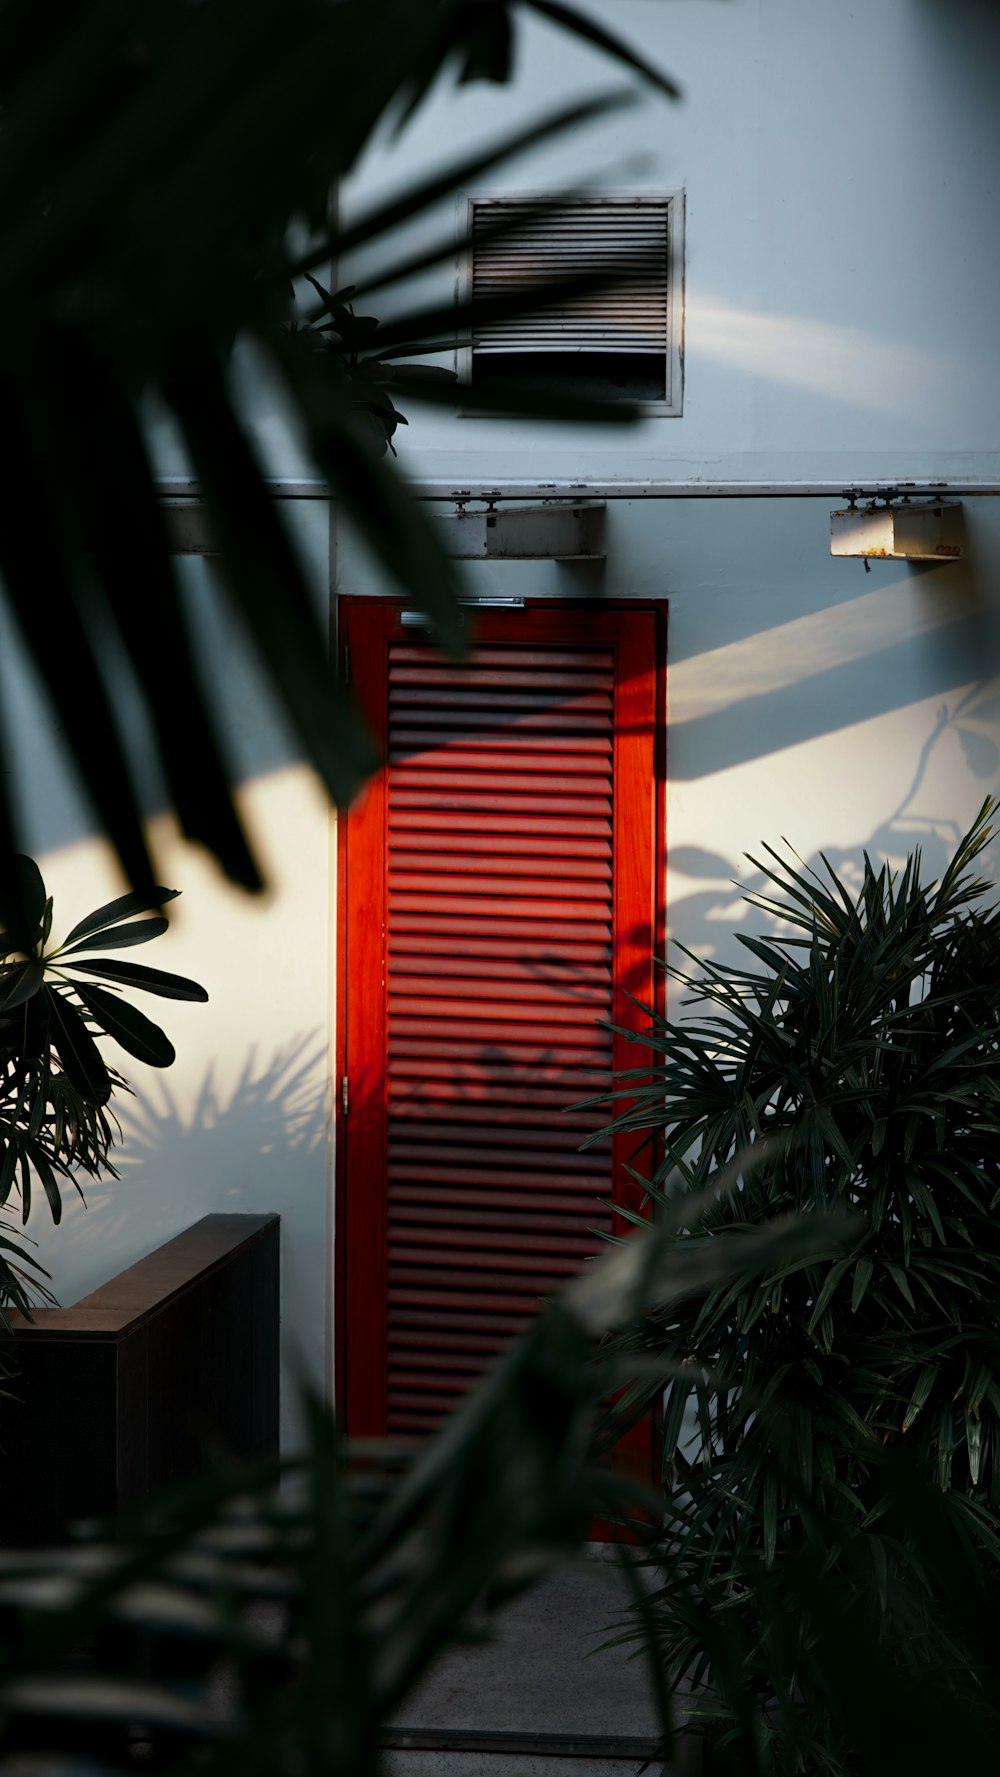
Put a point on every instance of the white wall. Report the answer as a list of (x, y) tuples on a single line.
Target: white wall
[(840, 165)]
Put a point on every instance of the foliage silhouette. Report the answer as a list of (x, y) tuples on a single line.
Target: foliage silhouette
[(166, 178), (55, 1086), (328, 1586), (859, 1052)]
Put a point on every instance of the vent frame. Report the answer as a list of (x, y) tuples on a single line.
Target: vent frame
[(609, 208)]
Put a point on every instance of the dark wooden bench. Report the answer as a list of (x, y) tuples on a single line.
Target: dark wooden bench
[(125, 1392)]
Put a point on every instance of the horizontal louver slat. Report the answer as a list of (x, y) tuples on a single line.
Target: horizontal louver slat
[(551, 972), (499, 852), (452, 758), (499, 904), (510, 895), (575, 1052), (548, 659), (542, 950), (589, 752), (518, 1149), (415, 778), (527, 1091), (492, 1116), (521, 693), (479, 678), (454, 865), (488, 821), (532, 721), (540, 994), (552, 930), (475, 802), (490, 1187), (580, 898), (477, 1306)]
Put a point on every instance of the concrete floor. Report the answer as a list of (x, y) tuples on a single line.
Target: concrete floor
[(540, 1695)]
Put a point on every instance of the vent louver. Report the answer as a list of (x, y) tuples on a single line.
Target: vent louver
[(576, 240)]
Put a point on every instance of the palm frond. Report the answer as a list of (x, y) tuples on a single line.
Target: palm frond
[(164, 181), (867, 1040)]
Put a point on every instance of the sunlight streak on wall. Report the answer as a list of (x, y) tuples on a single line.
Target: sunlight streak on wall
[(862, 369), (898, 780), (785, 653)]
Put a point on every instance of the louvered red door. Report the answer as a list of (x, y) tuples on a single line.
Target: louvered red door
[(500, 880)]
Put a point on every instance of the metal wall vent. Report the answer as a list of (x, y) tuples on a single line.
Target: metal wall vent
[(624, 339)]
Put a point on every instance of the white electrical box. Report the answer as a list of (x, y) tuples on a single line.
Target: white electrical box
[(558, 531), (909, 531)]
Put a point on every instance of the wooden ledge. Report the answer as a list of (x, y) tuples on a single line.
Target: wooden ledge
[(122, 1304)]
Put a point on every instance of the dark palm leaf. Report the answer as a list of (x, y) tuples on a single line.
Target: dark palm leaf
[(152, 171), (158, 981), (326, 1596)]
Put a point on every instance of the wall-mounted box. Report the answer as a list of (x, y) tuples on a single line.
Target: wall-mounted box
[(908, 532), (556, 531), (187, 527)]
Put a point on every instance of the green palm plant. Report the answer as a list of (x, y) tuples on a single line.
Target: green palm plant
[(55, 1086), (858, 1056)]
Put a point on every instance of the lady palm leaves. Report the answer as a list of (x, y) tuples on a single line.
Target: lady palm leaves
[(863, 1042), (54, 1082), (163, 181)]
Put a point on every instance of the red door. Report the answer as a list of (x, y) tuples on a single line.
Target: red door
[(501, 879)]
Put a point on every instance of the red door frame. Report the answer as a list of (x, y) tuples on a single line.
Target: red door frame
[(363, 1236)]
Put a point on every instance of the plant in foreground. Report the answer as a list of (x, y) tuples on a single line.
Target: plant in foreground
[(320, 1601), (857, 1055), (270, 1621), (168, 172)]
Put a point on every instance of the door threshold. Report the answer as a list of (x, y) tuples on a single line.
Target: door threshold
[(609, 1746)]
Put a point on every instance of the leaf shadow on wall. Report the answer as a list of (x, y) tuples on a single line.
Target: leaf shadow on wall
[(963, 743), (231, 1149)]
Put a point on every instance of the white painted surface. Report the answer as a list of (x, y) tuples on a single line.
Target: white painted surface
[(840, 167)]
